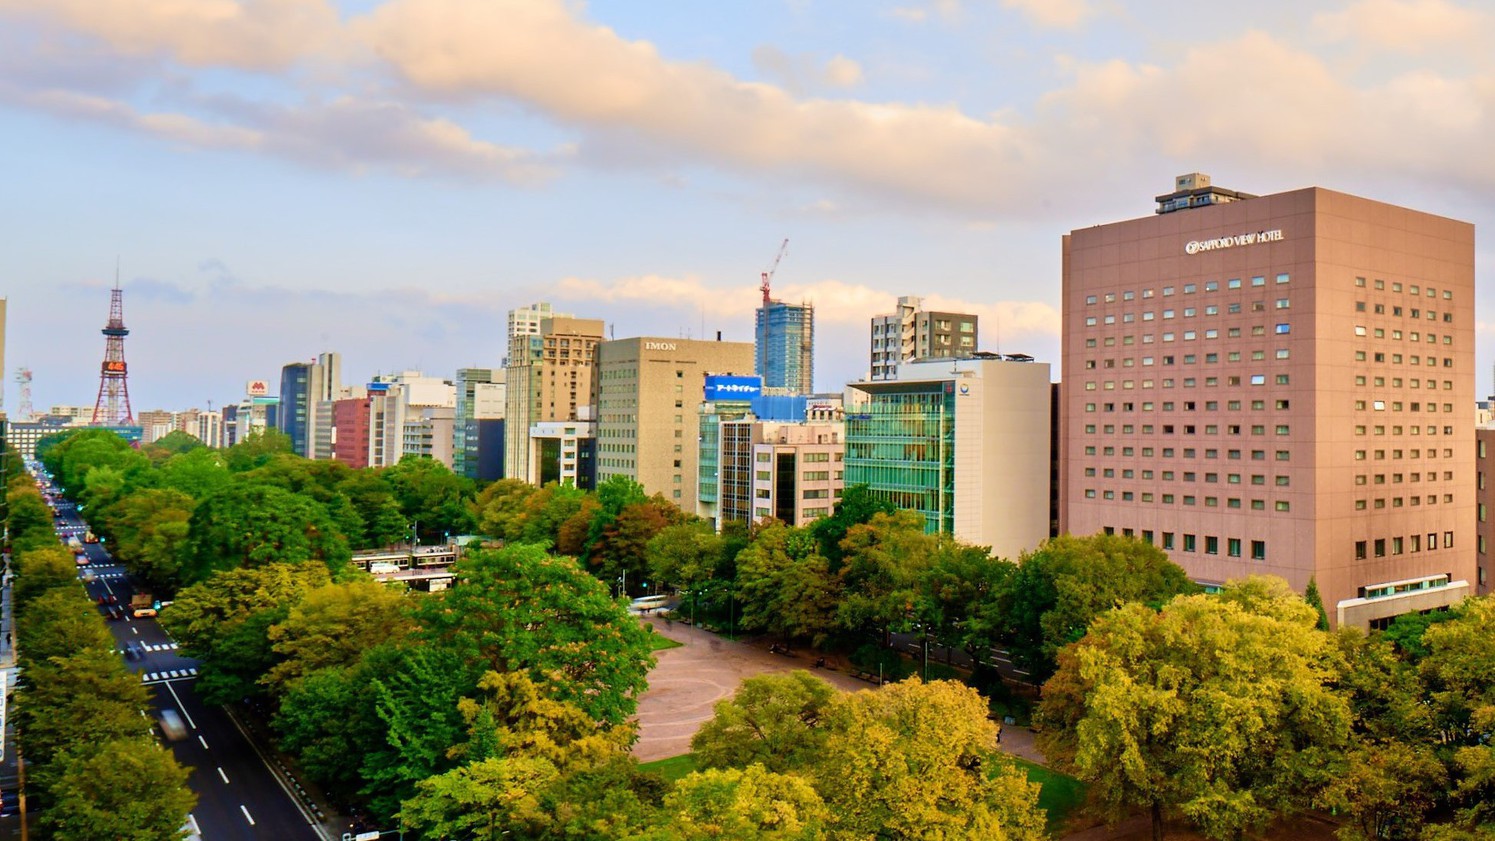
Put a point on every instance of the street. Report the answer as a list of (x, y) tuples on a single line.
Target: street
[(239, 797)]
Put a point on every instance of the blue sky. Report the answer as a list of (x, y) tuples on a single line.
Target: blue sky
[(386, 178)]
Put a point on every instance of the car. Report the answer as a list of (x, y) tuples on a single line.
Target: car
[(143, 612), (132, 653), (172, 726), (114, 611)]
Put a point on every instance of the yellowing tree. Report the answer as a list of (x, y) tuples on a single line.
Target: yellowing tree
[(919, 760), (1218, 707)]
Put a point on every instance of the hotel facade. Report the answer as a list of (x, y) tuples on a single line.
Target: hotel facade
[(1277, 384)]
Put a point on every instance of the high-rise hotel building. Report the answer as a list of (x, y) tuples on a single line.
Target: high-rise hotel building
[(1277, 384)]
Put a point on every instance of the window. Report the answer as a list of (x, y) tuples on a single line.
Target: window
[(1233, 547), (1211, 545), (1284, 328), (1188, 543), (1258, 550)]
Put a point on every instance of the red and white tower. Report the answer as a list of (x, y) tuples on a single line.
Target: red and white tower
[(113, 406)]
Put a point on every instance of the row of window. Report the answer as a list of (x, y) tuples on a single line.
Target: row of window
[(1188, 288), (1168, 314), (1397, 502), (1396, 406), (1210, 382), (1378, 429), (1396, 358), (1400, 545), (1280, 329), (1209, 452), (1190, 543), (1280, 505), (1188, 359), (1188, 476), (1412, 288)]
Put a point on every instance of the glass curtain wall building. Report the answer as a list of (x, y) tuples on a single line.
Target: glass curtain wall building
[(902, 446), (784, 346)]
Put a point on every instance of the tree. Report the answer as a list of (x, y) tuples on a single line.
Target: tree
[(246, 525), (622, 549), (332, 626), (1316, 601), (547, 511), (489, 800), (857, 506), (500, 508), (225, 622), (197, 472), (175, 442), (432, 496), (883, 564), (81, 698), (1387, 788), (748, 804), (257, 448), (150, 530), (59, 623), (685, 555), (41, 571), (378, 510), (1457, 671), (1208, 707), (1059, 589), (960, 596), (774, 720), (128, 789), (916, 760), (519, 609), (784, 586), (613, 495)]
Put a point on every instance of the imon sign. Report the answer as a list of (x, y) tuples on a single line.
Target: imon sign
[(1198, 245), (659, 346)]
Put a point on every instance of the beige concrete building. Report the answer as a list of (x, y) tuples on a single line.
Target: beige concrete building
[(549, 378), (1277, 384), (911, 332), (647, 391)]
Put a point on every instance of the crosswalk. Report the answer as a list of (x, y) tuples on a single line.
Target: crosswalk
[(164, 646), (173, 674)]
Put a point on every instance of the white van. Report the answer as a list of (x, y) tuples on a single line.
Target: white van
[(644, 604), (383, 568)]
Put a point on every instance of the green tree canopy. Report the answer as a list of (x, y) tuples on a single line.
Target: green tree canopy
[(520, 609), (1059, 589), (858, 505), (431, 496), (884, 562), (1224, 713), (774, 720), (332, 626), (128, 789), (248, 525), (784, 585)]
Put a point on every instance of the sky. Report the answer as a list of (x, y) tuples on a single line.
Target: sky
[(271, 179)]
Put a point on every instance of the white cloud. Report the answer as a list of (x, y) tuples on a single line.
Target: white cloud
[(1053, 13), (249, 34), (843, 72), (1412, 26)]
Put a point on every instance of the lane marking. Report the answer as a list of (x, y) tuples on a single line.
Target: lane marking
[(225, 778), (246, 814), (202, 741), (135, 630), (190, 722), (295, 801)]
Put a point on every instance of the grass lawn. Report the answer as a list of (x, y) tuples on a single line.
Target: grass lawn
[(1060, 796), (672, 768), (659, 642)]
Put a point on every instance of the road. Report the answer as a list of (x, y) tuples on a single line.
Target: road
[(239, 797)]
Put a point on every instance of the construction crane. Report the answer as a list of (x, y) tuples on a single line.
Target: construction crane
[(773, 267)]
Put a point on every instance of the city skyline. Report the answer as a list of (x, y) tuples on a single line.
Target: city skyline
[(303, 177)]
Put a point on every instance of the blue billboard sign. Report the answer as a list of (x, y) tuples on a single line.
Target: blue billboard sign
[(728, 387), (378, 388)]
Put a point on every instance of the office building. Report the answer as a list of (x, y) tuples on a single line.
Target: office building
[(549, 378), (563, 452), (784, 346), (351, 418), (647, 392), (529, 321), (910, 332), (1278, 384), (479, 396), (964, 442), (302, 386)]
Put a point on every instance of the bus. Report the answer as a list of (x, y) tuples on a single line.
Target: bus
[(644, 604)]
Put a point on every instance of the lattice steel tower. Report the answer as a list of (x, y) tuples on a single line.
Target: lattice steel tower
[(113, 406)]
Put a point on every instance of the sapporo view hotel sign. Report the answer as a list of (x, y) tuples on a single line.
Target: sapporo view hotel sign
[(1198, 245)]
